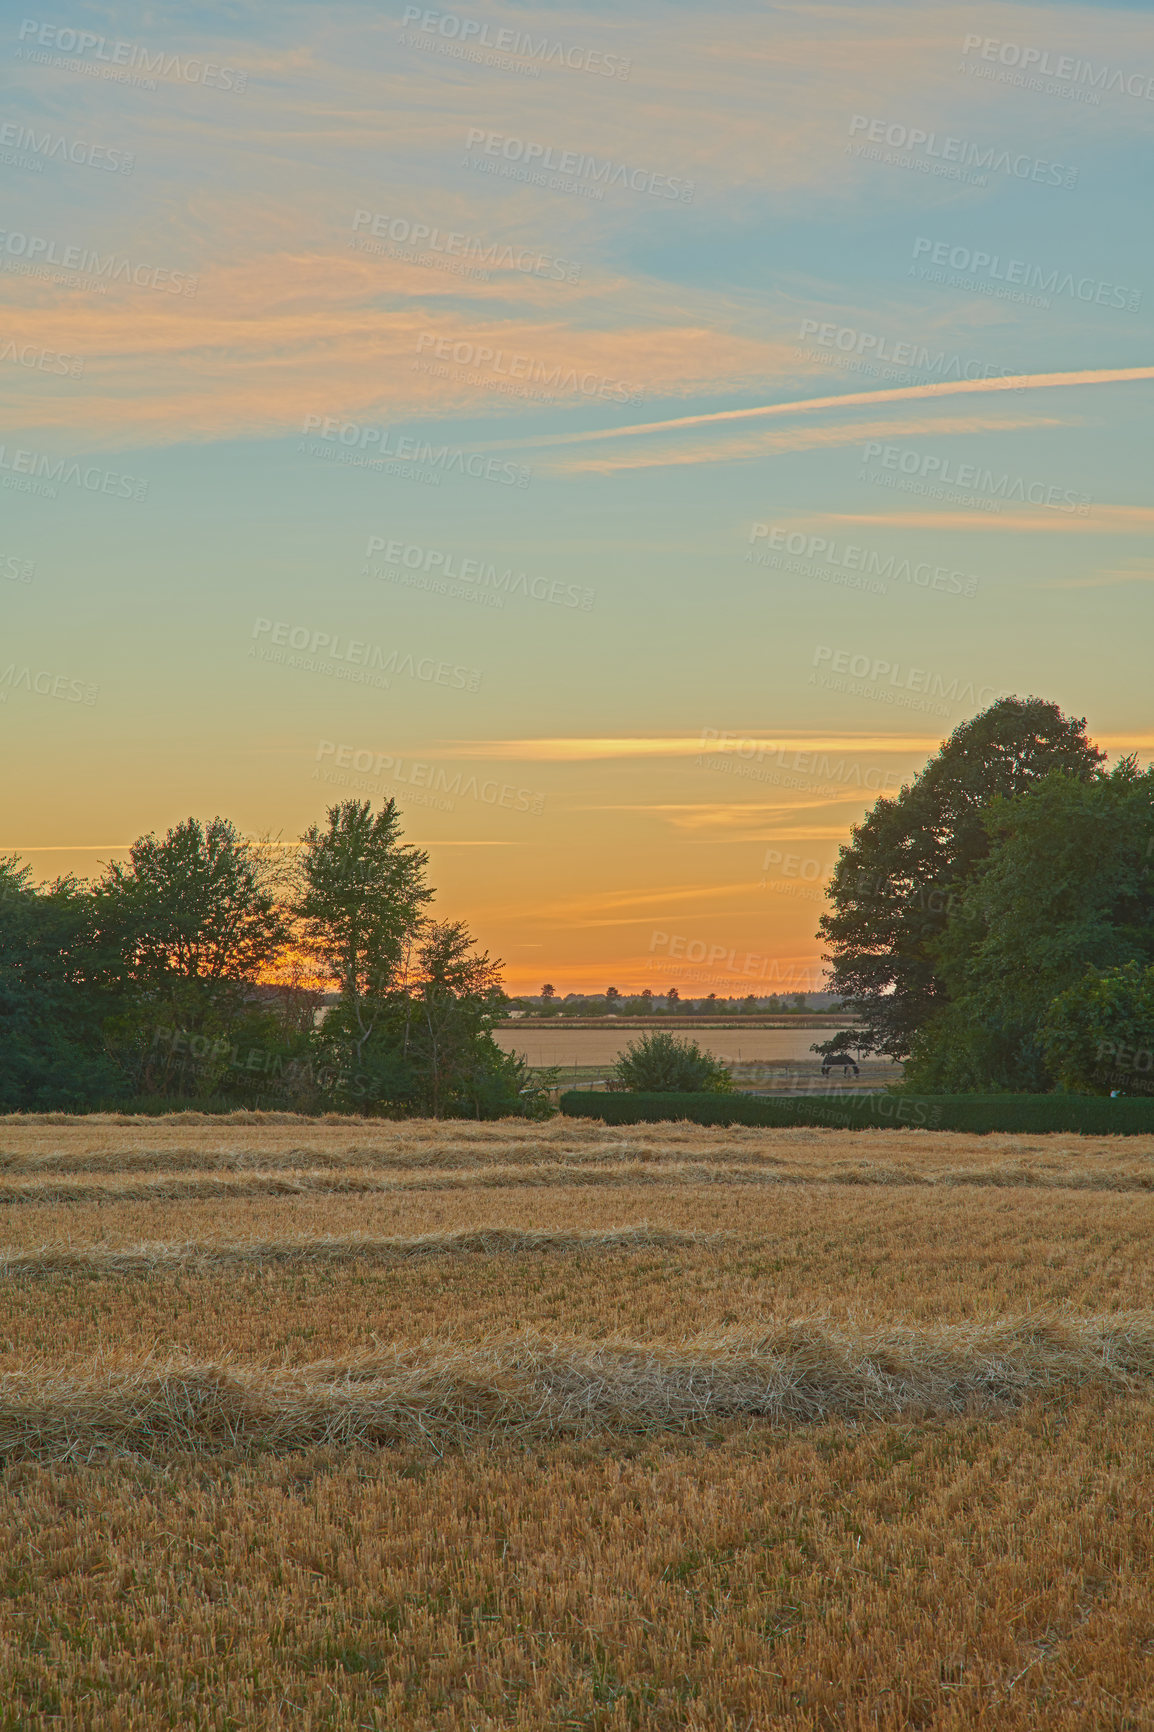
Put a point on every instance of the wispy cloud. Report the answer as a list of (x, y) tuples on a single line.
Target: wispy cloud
[(751, 745), (803, 439), (1099, 520), (1137, 572), (628, 908)]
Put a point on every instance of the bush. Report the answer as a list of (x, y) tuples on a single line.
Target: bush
[(1089, 1114), (660, 1063)]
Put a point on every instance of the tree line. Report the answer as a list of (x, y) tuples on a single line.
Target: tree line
[(207, 969), (647, 1003), (992, 923)]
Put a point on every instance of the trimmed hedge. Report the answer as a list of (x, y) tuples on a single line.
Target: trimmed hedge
[(1096, 1115)]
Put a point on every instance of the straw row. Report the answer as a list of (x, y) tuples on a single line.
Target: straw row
[(534, 1390), (207, 1257), (201, 1186)]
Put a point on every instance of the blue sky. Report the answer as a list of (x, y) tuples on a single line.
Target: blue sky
[(298, 350)]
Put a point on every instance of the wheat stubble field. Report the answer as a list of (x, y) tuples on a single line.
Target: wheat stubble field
[(344, 1424)]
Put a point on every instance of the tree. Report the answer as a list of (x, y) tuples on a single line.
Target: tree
[(362, 893), (450, 1011), (672, 997), (547, 993), (1067, 885), (660, 1063), (1098, 1035), (198, 905), (195, 919), (412, 1028), (844, 1041), (56, 987), (910, 859)]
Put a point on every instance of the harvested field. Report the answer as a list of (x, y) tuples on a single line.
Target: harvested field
[(329, 1424)]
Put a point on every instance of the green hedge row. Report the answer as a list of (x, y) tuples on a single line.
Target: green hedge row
[(1094, 1114)]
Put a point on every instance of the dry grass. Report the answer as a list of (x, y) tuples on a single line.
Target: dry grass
[(315, 1424), (276, 1154), (534, 1390), (270, 1140), (199, 1257), (856, 1257), (958, 1574)]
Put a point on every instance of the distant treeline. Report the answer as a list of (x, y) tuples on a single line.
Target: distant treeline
[(671, 1003)]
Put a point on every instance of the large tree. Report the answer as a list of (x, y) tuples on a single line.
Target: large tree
[(1067, 887), (910, 859)]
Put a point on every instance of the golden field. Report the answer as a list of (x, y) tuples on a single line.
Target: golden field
[(344, 1424)]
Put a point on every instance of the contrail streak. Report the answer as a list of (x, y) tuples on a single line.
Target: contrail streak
[(896, 394)]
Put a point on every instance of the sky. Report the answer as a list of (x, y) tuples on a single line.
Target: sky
[(632, 437)]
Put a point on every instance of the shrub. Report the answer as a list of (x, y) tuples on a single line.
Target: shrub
[(661, 1063)]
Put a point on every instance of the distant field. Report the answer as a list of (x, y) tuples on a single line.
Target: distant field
[(345, 1424), (583, 1047)]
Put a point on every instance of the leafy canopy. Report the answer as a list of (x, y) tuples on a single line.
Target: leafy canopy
[(908, 862)]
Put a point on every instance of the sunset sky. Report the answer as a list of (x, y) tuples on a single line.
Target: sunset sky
[(633, 436)]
